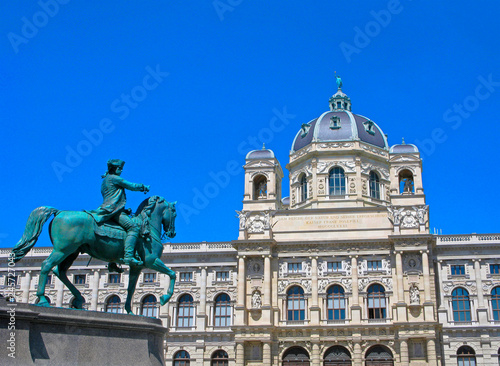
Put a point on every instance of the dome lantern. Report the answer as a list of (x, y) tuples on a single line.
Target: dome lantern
[(339, 101)]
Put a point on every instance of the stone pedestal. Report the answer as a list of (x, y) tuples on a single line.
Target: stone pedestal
[(59, 336)]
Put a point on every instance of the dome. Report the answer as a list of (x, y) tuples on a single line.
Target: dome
[(403, 148), (340, 125), (260, 154)]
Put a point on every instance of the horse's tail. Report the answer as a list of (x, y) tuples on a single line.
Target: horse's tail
[(36, 220)]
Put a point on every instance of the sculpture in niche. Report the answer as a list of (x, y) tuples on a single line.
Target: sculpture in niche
[(414, 295), (256, 300)]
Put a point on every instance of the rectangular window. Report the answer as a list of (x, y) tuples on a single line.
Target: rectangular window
[(458, 270), (222, 276), (185, 276), (495, 268), (294, 267), (374, 265), (114, 278), (334, 266), (79, 279), (49, 280), (149, 277)]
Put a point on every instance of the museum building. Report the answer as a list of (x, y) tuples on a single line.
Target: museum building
[(342, 272)]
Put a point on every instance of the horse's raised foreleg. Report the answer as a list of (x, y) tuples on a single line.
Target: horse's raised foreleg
[(132, 282), (52, 260), (60, 272), (159, 266)]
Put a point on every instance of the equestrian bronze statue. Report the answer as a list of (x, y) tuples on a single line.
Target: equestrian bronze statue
[(109, 233)]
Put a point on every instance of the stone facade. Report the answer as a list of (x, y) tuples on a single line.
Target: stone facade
[(344, 271)]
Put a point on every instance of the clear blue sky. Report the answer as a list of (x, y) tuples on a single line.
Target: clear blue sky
[(182, 89)]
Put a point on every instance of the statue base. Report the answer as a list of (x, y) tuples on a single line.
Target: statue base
[(35, 335)]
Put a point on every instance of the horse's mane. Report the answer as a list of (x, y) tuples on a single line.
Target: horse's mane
[(148, 203)]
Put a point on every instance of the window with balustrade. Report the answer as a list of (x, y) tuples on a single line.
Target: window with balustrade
[(296, 304), (461, 305), (377, 304), (185, 311), (336, 303), (222, 311)]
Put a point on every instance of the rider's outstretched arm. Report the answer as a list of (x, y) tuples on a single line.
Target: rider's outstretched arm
[(129, 185)]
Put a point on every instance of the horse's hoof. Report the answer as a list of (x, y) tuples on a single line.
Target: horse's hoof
[(164, 299), (44, 303)]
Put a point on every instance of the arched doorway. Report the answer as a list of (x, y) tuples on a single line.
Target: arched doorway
[(296, 356), (337, 356), (379, 356)]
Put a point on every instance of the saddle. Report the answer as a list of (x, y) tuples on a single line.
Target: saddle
[(111, 229)]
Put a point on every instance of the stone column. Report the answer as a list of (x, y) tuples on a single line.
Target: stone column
[(241, 281), (357, 357), (425, 267), (399, 272), (95, 290), (26, 287), (202, 311), (266, 353), (60, 292), (267, 281), (482, 311), (355, 308), (431, 352), (428, 305), (239, 309), (315, 355), (240, 354), (439, 285), (315, 309), (405, 360)]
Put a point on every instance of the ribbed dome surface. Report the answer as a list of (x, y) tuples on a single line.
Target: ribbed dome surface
[(340, 125)]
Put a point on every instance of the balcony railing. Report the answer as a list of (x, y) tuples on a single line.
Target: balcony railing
[(467, 239)]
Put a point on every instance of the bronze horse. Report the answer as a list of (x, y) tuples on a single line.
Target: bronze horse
[(72, 233)]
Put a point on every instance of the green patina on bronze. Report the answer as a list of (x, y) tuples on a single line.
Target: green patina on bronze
[(75, 232)]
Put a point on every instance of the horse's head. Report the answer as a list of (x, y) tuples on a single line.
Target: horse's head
[(160, 213), (168, 219)]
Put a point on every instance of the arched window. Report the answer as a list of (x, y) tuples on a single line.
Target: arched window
[(379, 356), (337, 356), (374, 185), (495, 303), (376, 302), (185, 311), (461, 305), (113, 305), (149, 306), (336, 181), (296, 356), (303, 188), (260, 187), (466, 356), (336, 303), (220, 358), (296, 304), (222, 311), (181, 358), (406, 184)]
